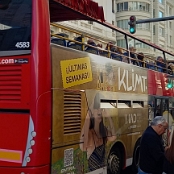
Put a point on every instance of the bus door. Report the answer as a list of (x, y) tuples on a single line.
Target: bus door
[(162, 109)]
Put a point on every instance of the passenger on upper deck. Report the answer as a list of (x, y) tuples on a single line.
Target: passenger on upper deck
[(91, 42), (141, 58), (160, 64), (91, 48), (100, 46), (110, 46), (74, 45), (170, 68), (132, 55), (117, 55)]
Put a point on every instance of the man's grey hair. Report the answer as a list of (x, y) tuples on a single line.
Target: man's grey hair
[(158, 120)]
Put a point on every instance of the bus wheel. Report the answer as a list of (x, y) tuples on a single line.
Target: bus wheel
[(136, 157), (115, 162)]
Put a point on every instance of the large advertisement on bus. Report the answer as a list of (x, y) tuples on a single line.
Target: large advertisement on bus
[(99, 112)]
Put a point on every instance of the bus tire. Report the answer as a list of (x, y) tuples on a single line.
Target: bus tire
[(115, 162), (136, 156)]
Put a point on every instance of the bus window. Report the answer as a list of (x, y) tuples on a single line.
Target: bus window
[(123, 104), (171, 108), (158, 107), (15, 27), (137, 104), (165, 103), (108, 104), (151, 112)]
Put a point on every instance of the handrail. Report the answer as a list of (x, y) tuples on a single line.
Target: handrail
[(151, 62), (65, 28)]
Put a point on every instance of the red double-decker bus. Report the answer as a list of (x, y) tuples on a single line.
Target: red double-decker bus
[(45, 102)]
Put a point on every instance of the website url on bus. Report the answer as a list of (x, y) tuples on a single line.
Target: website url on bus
[(13, 61), (7, 61)]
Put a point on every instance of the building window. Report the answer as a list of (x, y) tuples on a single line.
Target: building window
[(90, 22), (170, 11), (153, 29), (139, 6), (145, 26), (113, 11), (170, 25), (153, 13), (123, 24), (141, 45), (121, 43), (161, 31), (161, 1), (170, 40), (161, 14), (113, 23), (122, 6), (125, 6)]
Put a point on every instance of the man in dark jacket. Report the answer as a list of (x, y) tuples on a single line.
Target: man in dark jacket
[(151, 147)]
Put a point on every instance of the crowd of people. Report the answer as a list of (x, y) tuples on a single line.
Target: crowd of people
[(130, 56), (118, 53), (155, 158)]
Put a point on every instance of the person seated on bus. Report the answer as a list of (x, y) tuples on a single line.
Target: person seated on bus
[(109, 47), (117, 54), (75, 45), (170, 68), (150, 65), (91, 49), (161, 67), (132, 51), (91, 42), (100, 46), (60, 41), (140, 57)]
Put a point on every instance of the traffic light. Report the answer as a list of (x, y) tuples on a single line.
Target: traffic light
[(169, 83), (132, 24)]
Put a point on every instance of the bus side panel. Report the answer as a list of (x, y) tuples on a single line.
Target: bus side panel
[(132, 123), (157, 84), (69, 108)]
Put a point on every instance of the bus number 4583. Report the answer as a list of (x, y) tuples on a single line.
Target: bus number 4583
[(22, 44)]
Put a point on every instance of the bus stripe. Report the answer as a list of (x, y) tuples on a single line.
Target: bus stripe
[(11, 155)]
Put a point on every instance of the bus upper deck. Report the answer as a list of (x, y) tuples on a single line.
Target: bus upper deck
[(83, 42)]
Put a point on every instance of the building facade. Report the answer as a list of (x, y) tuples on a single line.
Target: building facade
[(160, 33)]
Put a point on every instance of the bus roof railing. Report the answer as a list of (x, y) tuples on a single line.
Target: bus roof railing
[(148, 62)]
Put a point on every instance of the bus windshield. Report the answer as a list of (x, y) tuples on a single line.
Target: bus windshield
[(15, 27)]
